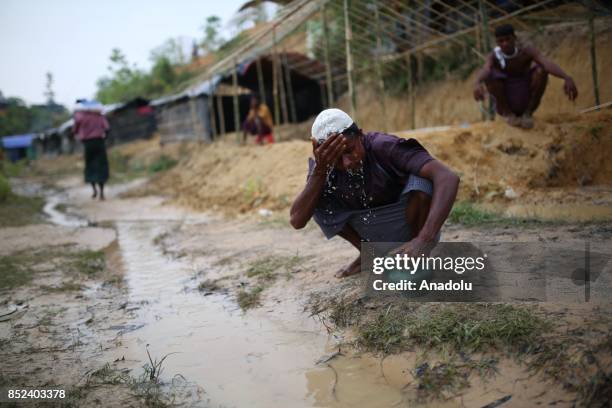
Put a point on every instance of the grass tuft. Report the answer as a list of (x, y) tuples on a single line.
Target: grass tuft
[(468, 214), (16, 210), (469, 327), (264, 269), (249, 299)]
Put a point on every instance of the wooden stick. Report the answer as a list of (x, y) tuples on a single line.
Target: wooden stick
[(194, 119), (594, 59), (596, 107), (221, 113), (283, 91), (275, 81), (486, 42), (411, 93), (381, 81), (236, 103), (260, 80), (289, 84), (348, 34), (328, 76), (212, 117)]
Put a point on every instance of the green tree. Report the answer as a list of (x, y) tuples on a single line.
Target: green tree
[(172, 49), (15, 118), (123, 83), (211, 40)]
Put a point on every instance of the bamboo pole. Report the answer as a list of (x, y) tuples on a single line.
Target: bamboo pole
[(322, 92), (348, 33), (328, 76), (212, 118), (381, 81), (290, 89), (235, 100), (275, 81), (411, 93), (283, 90), (260, 80), (594, 59), (221, 114), (486, 42), (194, 118)]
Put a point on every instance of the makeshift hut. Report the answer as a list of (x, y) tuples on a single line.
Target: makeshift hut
[(130, 121)]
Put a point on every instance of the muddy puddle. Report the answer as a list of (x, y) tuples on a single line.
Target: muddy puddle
[(265, 357)]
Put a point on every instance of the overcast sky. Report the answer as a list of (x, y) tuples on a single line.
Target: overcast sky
[(73, 39)]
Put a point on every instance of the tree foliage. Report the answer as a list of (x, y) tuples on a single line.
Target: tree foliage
[(126, 82), (211, 40), (18, 118)]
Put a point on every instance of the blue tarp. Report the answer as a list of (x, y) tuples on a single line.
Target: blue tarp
[(17, 141)]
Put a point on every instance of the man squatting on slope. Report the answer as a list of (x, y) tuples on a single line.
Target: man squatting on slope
[(516, 77), (373, 187)]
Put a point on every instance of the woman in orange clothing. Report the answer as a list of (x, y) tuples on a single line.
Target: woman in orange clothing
[(258, 122)]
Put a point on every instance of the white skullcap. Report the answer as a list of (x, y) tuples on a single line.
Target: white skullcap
[(330, 121)]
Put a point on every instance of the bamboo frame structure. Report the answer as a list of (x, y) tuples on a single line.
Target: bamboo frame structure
[(383, 40), (593, 53), (235, 102)]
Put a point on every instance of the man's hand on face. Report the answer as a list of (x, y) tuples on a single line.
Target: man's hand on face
[(327, 153), (416, 247), (570, 89)]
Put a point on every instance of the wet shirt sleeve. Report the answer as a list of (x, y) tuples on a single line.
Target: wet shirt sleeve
[(402, 157)]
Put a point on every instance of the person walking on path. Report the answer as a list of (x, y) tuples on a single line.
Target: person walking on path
[(90, 127)]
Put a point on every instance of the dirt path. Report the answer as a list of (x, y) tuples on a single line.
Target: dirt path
[(176, 283)]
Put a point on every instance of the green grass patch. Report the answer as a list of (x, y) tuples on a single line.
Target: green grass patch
[(461, 327), (88, 262), (21, 267), (10, 169), (267, 268), (5, 189), (249, 299), (468, 214), (162, 163), (123, 168), (16, 210), (16, 271)]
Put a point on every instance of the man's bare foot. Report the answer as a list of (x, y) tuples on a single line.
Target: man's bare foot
[(512, 120), (102, 197), (94, 195), (352, 269), (526, 121)]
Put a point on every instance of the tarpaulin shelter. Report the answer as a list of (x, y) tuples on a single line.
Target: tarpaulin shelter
[(18, 147)]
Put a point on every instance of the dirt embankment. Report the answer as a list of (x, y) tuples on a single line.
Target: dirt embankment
[(561, 160)]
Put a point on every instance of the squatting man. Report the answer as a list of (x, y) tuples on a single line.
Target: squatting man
[(373, 187), (516, 76)]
